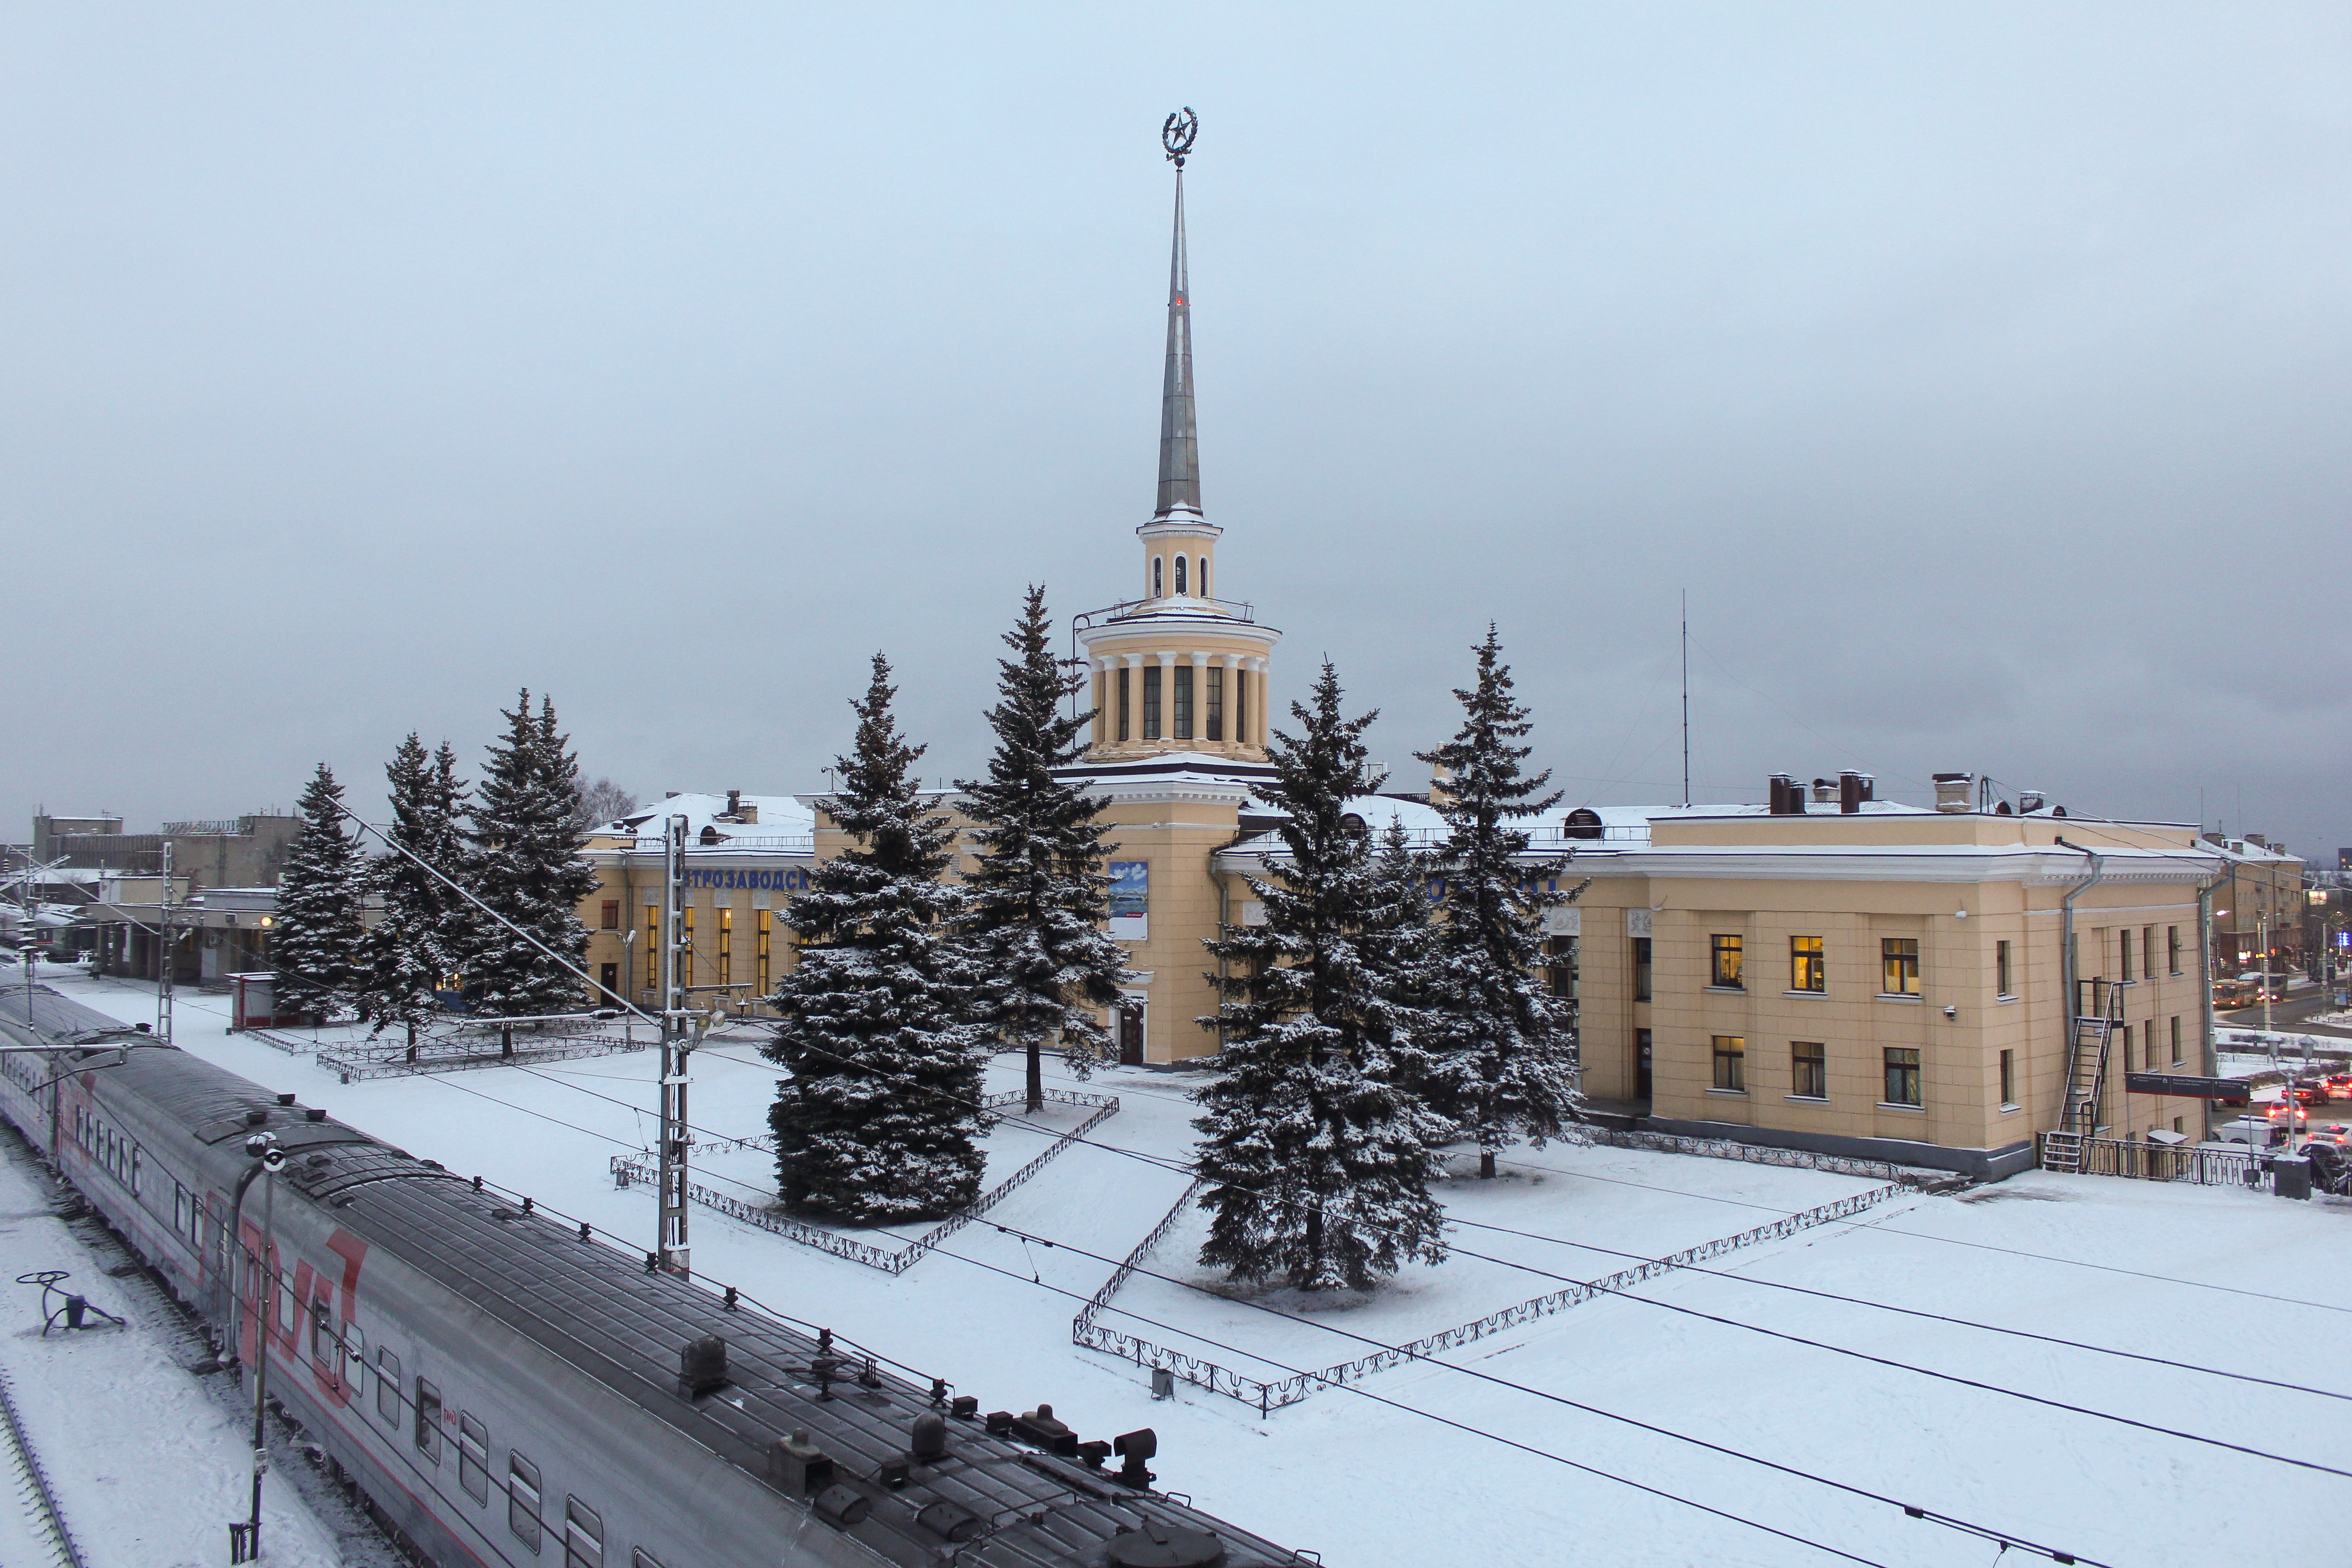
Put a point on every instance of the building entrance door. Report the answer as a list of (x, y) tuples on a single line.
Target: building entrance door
[(1641, 1064), (1130, 1032), (610, 982)]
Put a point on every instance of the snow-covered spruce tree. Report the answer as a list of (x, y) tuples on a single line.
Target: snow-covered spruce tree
[(878, 1120), (1317, 1155), (1505, 1046), (317, 946), (419, 940), (1042, 964), (528, 867)]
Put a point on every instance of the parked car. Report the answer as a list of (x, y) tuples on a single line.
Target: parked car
[(2331, 1168)]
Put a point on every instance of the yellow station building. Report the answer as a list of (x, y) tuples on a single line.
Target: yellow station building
[(1828, 970)]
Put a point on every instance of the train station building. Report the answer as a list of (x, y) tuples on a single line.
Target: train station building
[(1828, 970)]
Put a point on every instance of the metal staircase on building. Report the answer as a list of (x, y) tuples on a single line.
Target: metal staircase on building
[(2086, 1073)]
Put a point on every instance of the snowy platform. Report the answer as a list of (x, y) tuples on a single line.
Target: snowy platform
[(2209, 1277)]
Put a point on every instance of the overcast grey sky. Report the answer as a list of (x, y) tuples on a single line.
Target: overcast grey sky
[(1981, 371)]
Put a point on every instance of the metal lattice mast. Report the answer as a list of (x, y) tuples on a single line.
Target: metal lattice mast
[(671, 1248), (163, 967)]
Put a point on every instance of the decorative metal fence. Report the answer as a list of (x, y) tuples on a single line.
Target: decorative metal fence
[(1768, 1155), (628, 1168), (2163, 1162), (1271, 1396), (292, 1045), (389, 1058)]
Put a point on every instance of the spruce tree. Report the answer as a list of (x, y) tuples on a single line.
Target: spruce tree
[(317, 945), (1317, 1154), (528, 867), (419, 940), (1043, 965), (878, 1120), (1506, 1045)]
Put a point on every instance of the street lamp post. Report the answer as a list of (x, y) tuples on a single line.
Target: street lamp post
[(244, 1538)]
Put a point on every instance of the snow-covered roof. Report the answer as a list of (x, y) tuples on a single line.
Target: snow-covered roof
[(780, 816)]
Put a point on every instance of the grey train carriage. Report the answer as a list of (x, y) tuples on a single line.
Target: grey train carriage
[(505, 1390)]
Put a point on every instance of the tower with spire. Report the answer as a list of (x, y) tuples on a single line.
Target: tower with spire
[(1179, 669)]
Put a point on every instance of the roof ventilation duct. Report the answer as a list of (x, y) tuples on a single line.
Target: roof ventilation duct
[(1954, 792), (702, 1366)]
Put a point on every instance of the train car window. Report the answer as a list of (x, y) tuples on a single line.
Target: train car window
[(583, 1535), (134, 1170), (641, 1558), (387, 1388), (473, 1457), (522, 1499), (286, 1304), (354, 1357), (428, 1422), (322, 1339), (179, 1209)]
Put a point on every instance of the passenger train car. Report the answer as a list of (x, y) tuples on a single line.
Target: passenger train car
[(507, 1390)]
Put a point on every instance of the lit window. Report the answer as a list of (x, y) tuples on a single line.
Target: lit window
[(1809, 1070), (1731, 1062), (612, 914), (1806, 972), (1900, 958), (1902, 1075), (1726, 961)]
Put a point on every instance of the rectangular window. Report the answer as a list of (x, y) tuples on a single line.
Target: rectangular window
[(2124, 953), (766, 930), (653, 946), (1902, 1075), (473, 1458), (641, 1558), (387, 1388), (1183, 703), (1151, 701), (583, 1535), (726, 946), (2127, 1055), (612, 914), (1640, 969), (522, 1499), (2147, 951), (2176, 1039), (1809, 1070), (2008, 1078), (1241, 705), (324, 1352), (1726, 961), (1731, 1062), (2000, 984), (1123, 730), (354, 1359), (1899, 957), (286, 1305), (1212, 704), (1807, 969), (2172, 948), (428, 1422), (1560, 967)]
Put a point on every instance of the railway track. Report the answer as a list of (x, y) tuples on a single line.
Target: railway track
[(39, 1503)]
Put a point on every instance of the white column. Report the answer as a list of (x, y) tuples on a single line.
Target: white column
[(1167, 694), (1260, 715), (1200, 693), (1233, 667), (1134, 666)]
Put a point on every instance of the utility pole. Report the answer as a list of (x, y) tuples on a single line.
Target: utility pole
[(164, 970), (1687, 696), (670, 1247)]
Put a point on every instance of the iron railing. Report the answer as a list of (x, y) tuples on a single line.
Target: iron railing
[(1271, 1396), (369, 1059), (2166, 1162), (629, 1168), (1768, 1155)]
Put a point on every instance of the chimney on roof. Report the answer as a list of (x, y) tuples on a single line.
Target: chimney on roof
[(1955, 792), (1824, 792), (1850, 793), (1439, 776), (1780, 785)]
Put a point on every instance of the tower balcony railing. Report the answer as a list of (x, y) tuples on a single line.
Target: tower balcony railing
[(1131, 609)]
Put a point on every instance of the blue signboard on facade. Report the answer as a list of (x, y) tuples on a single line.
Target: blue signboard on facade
[(1130, 899)]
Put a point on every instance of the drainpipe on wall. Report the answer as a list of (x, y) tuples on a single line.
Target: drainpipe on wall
[(2067, 966)]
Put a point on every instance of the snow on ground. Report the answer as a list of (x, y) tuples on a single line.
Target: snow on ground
[(2214, 1277), (149, 1463)]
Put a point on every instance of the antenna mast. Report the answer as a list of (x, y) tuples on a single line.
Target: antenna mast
[(671, 1250), (1687, 696)]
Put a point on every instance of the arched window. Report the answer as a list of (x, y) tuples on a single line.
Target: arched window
[(1204, 576), (1179, 576), (1582, 823), (1156, 589)]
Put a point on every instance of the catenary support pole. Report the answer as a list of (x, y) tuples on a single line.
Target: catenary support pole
[(163, 964), (670, 1245)]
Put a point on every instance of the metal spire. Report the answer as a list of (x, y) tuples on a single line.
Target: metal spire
[(1179, 443)]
